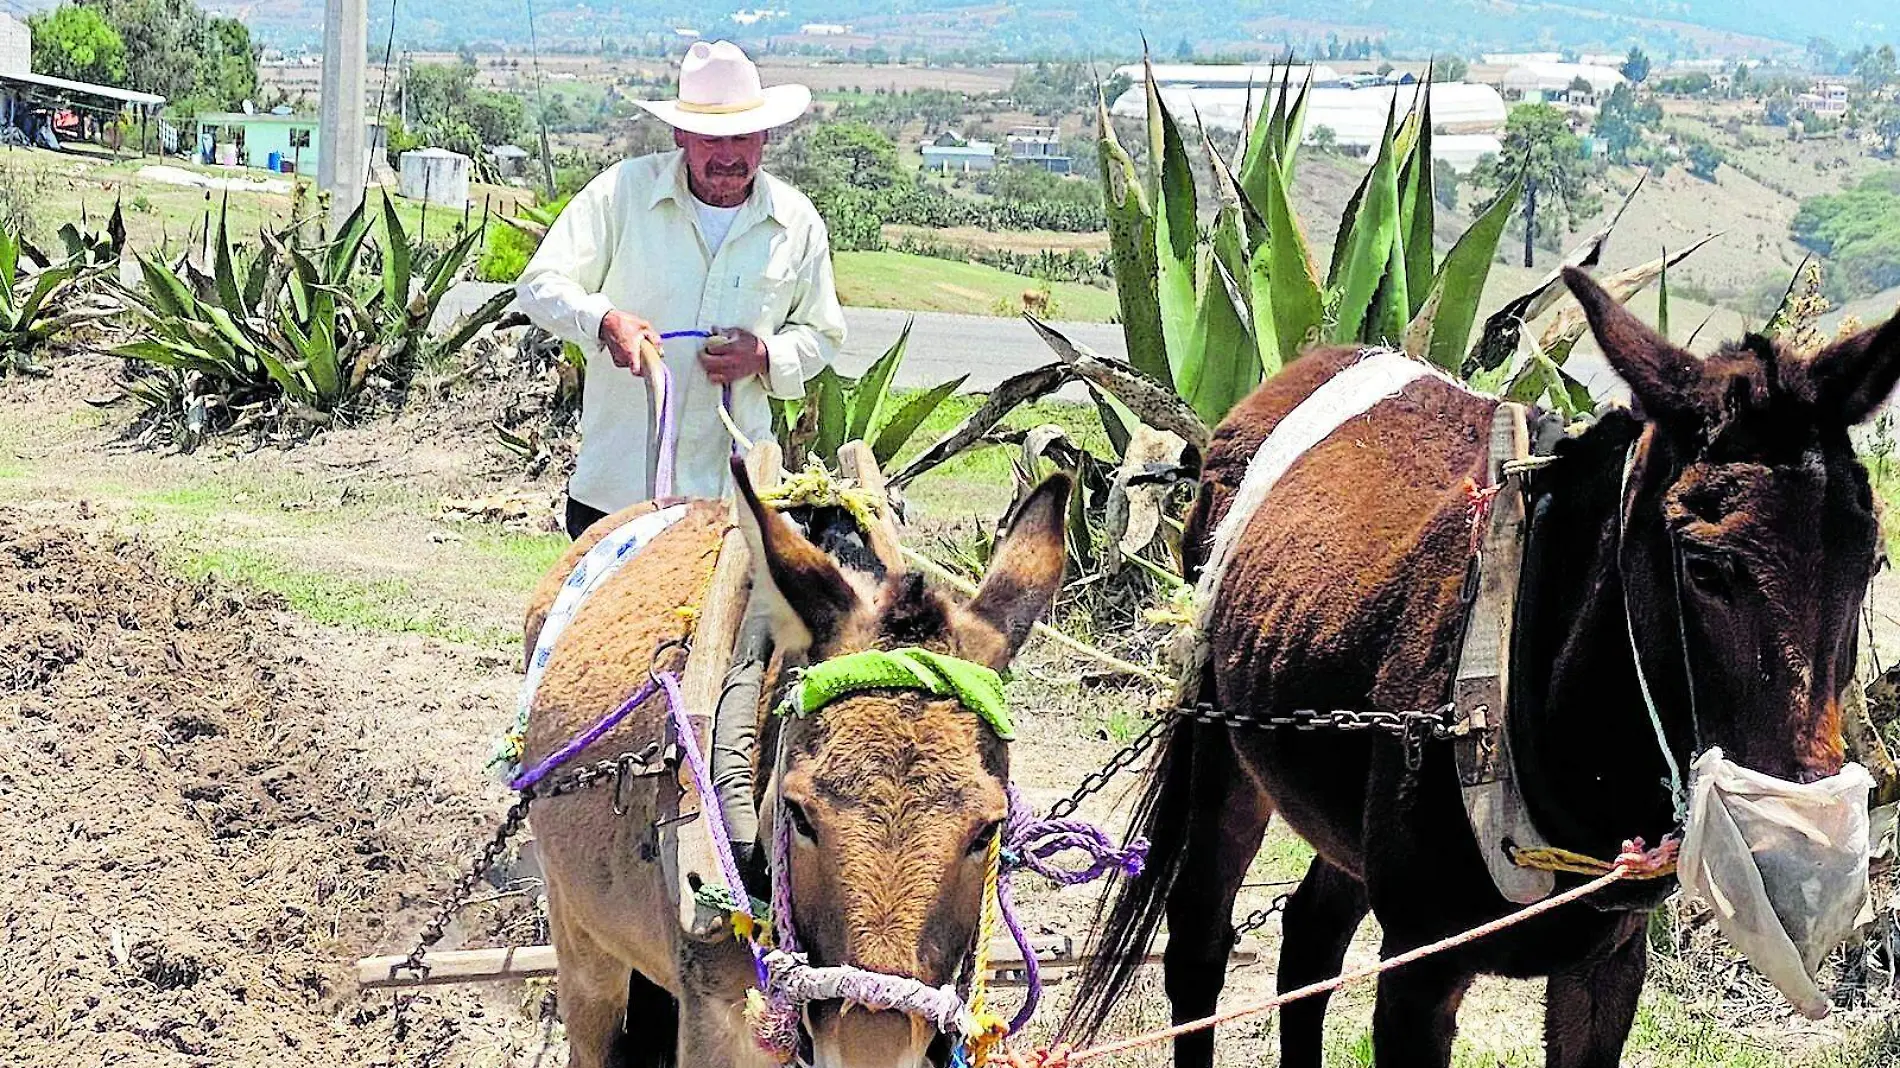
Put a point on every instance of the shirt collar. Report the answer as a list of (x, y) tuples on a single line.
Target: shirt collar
[(760, 204)]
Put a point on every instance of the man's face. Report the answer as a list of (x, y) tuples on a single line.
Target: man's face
[(721, 168)]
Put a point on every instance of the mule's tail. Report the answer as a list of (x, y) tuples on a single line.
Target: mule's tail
[(1131, 910)]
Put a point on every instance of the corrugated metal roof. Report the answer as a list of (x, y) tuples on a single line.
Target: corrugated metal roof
[(129, 96)]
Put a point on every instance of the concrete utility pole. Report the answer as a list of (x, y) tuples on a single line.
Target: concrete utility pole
[(342, 167)]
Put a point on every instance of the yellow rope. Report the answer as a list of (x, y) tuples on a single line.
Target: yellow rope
[(815, 487), (994, 1028), (1552, 858)]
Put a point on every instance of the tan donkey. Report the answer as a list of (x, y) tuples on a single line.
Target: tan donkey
[(894, 796)]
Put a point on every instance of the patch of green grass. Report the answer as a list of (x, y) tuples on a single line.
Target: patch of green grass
[(193, 498), (520, 560), (387, 605), (978, 481), (1283, 858), (926, 283), (1670, 1034), (1122, 724)]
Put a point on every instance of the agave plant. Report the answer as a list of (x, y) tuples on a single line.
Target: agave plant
[(837, 409), (303, 331), (41, 297), (1211, 307)]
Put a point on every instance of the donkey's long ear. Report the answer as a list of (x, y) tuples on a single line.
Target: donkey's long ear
[(1026, 571), (808, 597), (1852, 377), (1664, 378)]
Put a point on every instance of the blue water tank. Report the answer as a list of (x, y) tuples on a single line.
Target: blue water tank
[(276, 161)]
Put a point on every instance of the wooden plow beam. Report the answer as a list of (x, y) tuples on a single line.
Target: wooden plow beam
[(694, 860), (1058, 955)]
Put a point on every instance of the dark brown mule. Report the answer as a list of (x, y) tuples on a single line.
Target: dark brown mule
[(1749, 542)]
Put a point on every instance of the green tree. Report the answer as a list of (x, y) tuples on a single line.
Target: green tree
[(1450, 69), (1540, 149), (176, 50), (1883, 121), (1445, 185), (227, 70), (163, 41), (855, 154), (1622, 120), (75, 42), (1877, 67), (1636, 65), (1704, 160), (449, 110)]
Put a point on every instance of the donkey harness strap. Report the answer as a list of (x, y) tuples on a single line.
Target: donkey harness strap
[(976, 687)]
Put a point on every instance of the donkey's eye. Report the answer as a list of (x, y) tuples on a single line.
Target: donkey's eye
[(800, 822), (1712, 573), (981, 843)]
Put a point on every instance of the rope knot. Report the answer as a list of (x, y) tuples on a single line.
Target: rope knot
[(1035, 843), (1639, 861), (1478, 501)]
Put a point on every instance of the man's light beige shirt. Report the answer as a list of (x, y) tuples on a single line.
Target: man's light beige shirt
[(631, 241)]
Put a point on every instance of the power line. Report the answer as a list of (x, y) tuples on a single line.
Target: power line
[(540, 106), (382, 94)]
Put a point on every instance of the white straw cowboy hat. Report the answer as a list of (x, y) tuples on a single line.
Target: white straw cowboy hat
[(720, 95)]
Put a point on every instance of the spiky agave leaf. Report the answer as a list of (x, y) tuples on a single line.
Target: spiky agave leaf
[(1441, 330), (1370, 242), (1171, 180), (868, 396)]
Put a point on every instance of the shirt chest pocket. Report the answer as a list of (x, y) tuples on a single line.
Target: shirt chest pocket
[(761, 302)]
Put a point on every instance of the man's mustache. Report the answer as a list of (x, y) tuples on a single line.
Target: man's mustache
[(728, 170)]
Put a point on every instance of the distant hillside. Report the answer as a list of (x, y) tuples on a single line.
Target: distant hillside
[(1079, 27)]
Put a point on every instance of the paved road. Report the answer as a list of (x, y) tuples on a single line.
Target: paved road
[(987, 348)]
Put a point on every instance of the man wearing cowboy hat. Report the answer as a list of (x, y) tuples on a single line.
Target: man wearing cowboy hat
[(693, 242)]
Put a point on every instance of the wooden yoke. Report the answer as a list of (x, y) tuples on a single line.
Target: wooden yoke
[(857, 463), (700, 683), (1481, 689)]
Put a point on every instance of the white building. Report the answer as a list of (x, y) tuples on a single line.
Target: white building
[(1467, 116), (1465, 151), (1554, 81), (16, 46), (824, 29), (1825, 98), (1516, 59), (950, 154)]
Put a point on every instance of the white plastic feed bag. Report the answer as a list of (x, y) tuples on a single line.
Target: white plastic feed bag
[(1783, 864)]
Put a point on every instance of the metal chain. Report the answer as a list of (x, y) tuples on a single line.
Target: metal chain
[(1258, 918), (1435, 725), (1097, 781), (585, 777), (1412, 727)]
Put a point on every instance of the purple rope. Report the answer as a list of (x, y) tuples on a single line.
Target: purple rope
[(527, 779), (1032, 842), (703, 784), (785, 935)]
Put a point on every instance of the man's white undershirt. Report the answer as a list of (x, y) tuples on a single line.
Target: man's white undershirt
[(715, 223)]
